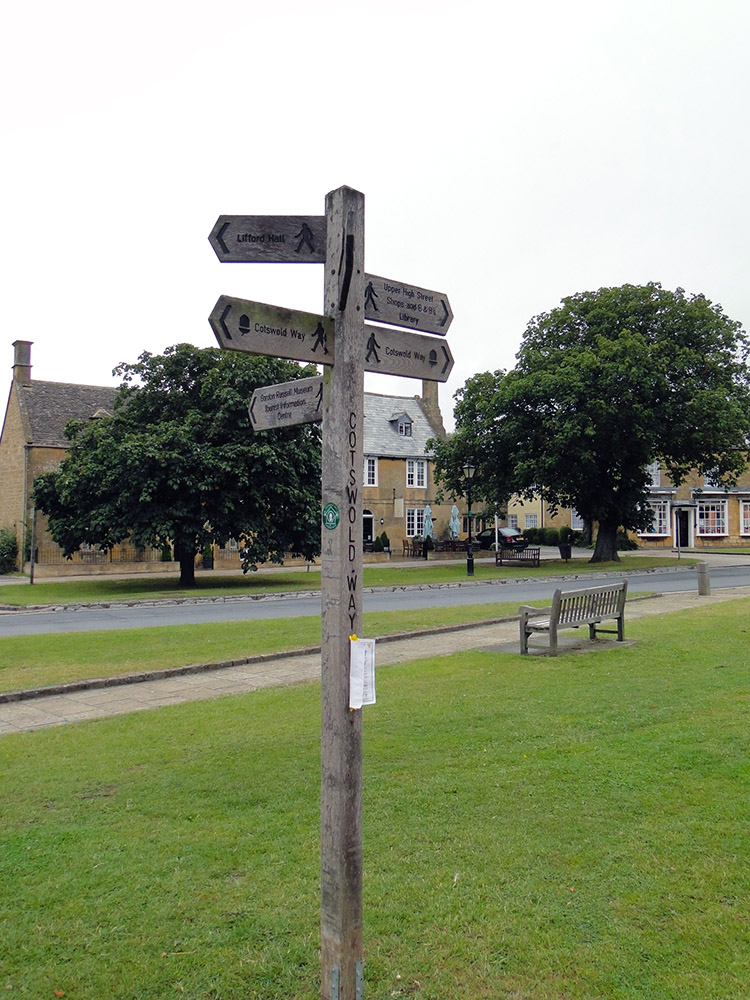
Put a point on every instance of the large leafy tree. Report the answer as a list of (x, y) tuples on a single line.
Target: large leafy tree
[(604, 385), (178, 462)]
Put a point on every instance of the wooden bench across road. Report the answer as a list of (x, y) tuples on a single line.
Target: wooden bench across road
[(516, 557), (573, 608)]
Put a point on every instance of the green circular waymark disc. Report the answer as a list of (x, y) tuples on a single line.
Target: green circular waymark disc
[(331, 516)]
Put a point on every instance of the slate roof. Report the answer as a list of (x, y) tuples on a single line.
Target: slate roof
[(382, 438), (48, 406)]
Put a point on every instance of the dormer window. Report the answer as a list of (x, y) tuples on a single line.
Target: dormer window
[(402, 424)]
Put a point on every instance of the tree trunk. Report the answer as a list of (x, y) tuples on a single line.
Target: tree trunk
[(184, 553), (606, 543)]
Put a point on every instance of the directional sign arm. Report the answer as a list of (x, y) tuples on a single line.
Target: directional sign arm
[(418, 309), (285, 239), (412, 355), (258, 328)]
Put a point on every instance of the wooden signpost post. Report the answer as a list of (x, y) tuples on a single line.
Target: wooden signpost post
[(340, 340)]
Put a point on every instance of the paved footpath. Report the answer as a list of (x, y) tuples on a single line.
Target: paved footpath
[(43, 711)]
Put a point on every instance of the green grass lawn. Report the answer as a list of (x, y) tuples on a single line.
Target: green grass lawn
[(33, 661), (95, 589), (30, 661), (534, 829)]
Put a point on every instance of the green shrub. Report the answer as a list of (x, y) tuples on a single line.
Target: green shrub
[(377, 545), (8, 550), (386, 541), (625, 543), (429, 544), (533, 535), (551, 536)]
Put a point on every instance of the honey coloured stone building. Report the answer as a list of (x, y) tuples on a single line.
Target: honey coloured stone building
[(32, 439)]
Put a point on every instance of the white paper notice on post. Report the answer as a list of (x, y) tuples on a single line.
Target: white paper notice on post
[(361, 672)]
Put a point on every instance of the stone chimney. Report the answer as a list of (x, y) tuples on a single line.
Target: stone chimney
[(431, 406), (22, 361)]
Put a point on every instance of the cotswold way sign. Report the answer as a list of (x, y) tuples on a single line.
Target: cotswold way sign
[(258, 328), (346, 347)]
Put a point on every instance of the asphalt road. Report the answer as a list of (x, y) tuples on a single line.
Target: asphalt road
[(535, 592)]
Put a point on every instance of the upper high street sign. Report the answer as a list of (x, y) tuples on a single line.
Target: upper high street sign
[(388, 301)]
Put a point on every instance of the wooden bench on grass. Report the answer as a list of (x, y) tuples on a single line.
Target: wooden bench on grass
[(573, 608), (517, 557)]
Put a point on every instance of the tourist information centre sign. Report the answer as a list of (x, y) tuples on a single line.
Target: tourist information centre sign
[(346, 347), (287, 404)]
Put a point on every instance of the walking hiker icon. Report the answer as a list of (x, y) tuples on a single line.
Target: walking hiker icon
[(372, 344), (370, 296), (305, 237), (320, 339)]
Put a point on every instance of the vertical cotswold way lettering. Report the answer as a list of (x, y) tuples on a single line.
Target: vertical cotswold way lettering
[(351, 497)]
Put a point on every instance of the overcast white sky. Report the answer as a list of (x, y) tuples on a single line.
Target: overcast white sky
[(510, 154)]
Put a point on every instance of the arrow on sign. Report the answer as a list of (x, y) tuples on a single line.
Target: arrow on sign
[(257, 328), (415, 308), (286, 404), (290, 239)]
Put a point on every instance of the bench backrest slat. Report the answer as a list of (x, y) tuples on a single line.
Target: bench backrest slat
[(583, 605)]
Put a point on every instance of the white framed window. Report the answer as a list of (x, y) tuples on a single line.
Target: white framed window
[(576, 521), (745, 517), (371, 472), (531, 520), (513, 521), (404, 428), (660, 523), (712, 517), (414, 521), (416, 472), (653, 471)]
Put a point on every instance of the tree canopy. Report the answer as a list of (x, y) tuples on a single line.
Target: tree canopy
[(604, 385), (178, 462)]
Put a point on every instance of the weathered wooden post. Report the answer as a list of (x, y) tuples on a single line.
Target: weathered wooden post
[(340, 341), (341, 549)]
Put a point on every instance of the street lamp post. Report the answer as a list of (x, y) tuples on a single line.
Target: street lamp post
[(469, 470)]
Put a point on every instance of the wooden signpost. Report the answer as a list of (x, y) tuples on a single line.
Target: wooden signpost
[(340, 340)]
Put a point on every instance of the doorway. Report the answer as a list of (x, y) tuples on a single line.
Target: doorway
[(682, 528), (368, 527)]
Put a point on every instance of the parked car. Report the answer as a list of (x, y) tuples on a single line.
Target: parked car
[(507, 538)]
